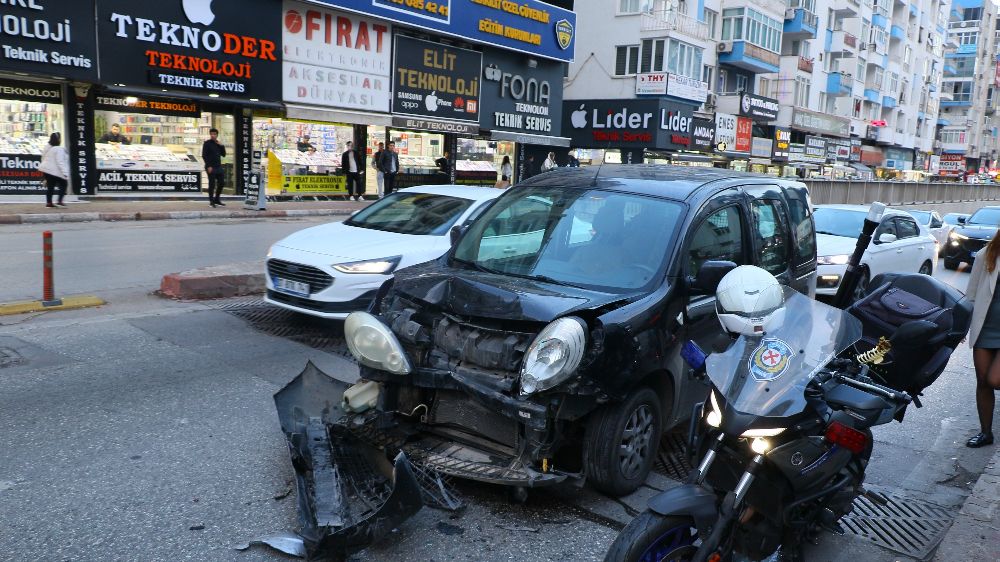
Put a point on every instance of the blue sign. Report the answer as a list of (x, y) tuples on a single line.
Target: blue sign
[(528, 26)]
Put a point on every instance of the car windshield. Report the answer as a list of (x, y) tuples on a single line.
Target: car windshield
[(923, 217), (589, 238), (412, 213), (987, 216), (839, 222)]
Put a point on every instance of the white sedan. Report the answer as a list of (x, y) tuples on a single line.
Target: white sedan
[(334, 269), (899, 245), (933, 222)]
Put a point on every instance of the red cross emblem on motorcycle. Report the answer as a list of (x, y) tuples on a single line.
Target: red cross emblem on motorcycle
[(770, 359)]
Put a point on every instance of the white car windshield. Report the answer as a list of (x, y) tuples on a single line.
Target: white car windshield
[(412, 213), (839, 222), (988, 217), (588, 238), (923, 217)]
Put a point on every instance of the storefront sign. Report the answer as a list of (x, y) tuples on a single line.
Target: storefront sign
[(855, 150), (725, 132), (838, 149), (30, 91), (226, 47), (519, 98), (816, 147), (529, 26), (820, 123), (417, 124), (147, 105), (952, 164), (899, 158), (82, 159), (782, 138), (19, 174), (758, 107), (148, 180), (687, 88), (703, 135), (651, 84), (744, 134), (642, 123), (49, 37), (871, 156), (761, 148), (335, 59), (435, 80), (244, 147)]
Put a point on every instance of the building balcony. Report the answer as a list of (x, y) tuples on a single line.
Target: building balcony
[(672, 20), (897, 33), (954, 147), (886, 136), (889, 102), (878, 20), (839, 84), (806, 65), (774, 6), (800, 23), (743, 55), (842, 44), (964, 24), (957, 100), (950, 70), (873, 95)]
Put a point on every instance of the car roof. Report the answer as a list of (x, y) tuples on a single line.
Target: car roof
[(463, 191), (674, 182), (889, 211)]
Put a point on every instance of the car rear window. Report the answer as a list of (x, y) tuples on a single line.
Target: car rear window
[(412, 213)]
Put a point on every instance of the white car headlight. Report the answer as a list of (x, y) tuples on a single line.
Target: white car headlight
[(840, 259), (383, 266), (554, 355), (374, 344)]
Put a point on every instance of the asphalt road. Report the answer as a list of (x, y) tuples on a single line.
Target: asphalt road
[(144, 430)]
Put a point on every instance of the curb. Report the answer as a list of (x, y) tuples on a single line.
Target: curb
[(38, 218), (217, 282), (975, 534), (68, 303)]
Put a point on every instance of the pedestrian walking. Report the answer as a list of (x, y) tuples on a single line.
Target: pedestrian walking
[(389, 165), (350, 162), (379, 176), (212, 152), (506, 173), (550, 162), (984, 337), (573, 161), (55, 167)]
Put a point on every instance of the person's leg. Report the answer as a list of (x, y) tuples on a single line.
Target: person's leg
[(212, 179), (380, 181), (62, 191), (219, 187), (390, 183), (987, 368), (50, 187), (359, 187)]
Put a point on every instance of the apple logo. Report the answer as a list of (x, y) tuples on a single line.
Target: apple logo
[(199, 11), (579, 117), (431, 101)]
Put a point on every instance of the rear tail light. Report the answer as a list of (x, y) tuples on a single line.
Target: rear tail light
[(847, 437)]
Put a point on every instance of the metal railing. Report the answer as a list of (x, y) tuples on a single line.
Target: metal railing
[(896, 193), (672, 20)]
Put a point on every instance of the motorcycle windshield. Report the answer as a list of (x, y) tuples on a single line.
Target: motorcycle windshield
[(767, 375)]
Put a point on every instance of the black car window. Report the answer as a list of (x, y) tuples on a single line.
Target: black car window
[(771, 231), (805, 240), (906, 228), (936, 221), (718, 237)]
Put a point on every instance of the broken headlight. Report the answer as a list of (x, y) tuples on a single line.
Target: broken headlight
[(554, 355), (374, 344)]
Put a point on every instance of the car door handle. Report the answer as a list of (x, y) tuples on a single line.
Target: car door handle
[(899, 251)]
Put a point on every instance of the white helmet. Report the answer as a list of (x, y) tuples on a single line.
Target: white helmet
[(749, 301)]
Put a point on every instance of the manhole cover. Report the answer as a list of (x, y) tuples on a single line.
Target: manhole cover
[(10, 358), (671, 460), (325, 335), (904, 525)]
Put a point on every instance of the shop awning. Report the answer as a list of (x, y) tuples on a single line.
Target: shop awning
[(330, 115), (861, 167), (526, 138), (159, 93)]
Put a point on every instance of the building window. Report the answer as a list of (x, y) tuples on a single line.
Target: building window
[(866, 31), (742, 83), (684, 59), (651, 57), (768, 88), (626, 60), (972, 14), (859, 72), (967, 37), (952, 137), (706, 73), (877, 77), (711, 19), (856, 108), (752, 26), (893, 83), (634, 6), (723, 77), (874, 111), (802, 86)]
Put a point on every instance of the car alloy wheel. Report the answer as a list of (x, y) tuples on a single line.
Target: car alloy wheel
[(636, 443)]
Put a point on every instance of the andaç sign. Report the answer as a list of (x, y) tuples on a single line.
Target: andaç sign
[(782, 139), (518, 98), (703, 135), (335, 59), (628, 124), (436, 81), (51, 37), (226, 47), (759, 108)]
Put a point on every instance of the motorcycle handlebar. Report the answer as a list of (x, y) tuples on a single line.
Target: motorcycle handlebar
[(874, 388)]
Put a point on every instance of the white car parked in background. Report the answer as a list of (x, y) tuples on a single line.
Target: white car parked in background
[(334, 269), (899, 245), (932, 221)]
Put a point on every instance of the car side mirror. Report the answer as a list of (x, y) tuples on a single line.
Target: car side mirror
[(710, 275), (961, 220), (886, 238), (455, 234)]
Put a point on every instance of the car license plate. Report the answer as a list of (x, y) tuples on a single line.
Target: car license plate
[(291, 287)]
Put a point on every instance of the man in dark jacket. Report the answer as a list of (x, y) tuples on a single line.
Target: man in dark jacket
[(212, 152), (389, 166), (353, 166)]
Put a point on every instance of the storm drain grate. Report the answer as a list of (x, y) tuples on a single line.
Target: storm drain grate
[(318, 333), (10, 358), (905, 525), (671, 460)]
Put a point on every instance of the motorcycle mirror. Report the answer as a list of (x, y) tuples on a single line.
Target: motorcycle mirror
[(455, 234), (710, 275), (913, 333)]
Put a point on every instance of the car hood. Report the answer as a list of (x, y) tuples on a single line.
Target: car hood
[(345, 242), (488, 295), (830, 245), (983, 232)]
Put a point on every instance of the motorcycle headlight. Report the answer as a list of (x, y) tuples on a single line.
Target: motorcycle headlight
[(841, 259), (374, 344), (382, 266), (554, 355), (713, 416)]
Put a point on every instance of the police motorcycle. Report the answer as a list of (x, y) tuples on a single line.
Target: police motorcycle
[(783, 441)]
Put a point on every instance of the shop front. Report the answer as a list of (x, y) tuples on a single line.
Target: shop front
[(623, 131), (41, 41), (952, 166), (826, 144), (898, 165), (734, 141), (172, 74), (701, 153)]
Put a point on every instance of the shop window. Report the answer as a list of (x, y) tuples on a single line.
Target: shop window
[(626, 60), (304, 157), (24, 130)]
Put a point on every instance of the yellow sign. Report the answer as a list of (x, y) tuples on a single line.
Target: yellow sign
[(281, 184)]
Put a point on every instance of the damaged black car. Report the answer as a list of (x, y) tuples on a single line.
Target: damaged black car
[(545, 345)]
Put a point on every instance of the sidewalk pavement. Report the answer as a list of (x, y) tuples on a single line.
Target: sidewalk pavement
[(82, 210), (975, 534)]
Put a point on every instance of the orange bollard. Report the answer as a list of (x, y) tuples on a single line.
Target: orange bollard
[(48, 285)]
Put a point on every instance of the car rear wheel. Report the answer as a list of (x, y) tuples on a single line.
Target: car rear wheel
[(621, 442), (926, 268)]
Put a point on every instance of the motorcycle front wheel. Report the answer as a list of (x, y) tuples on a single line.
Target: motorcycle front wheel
[(651, 537)]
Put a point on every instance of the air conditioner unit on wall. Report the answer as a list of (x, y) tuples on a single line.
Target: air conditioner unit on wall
[(862, 46), (790, 14), (710, 100), (725, 46)]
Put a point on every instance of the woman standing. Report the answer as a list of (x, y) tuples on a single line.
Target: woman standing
[(984, 336), (506, 170), (550, 162), (55, 167)]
